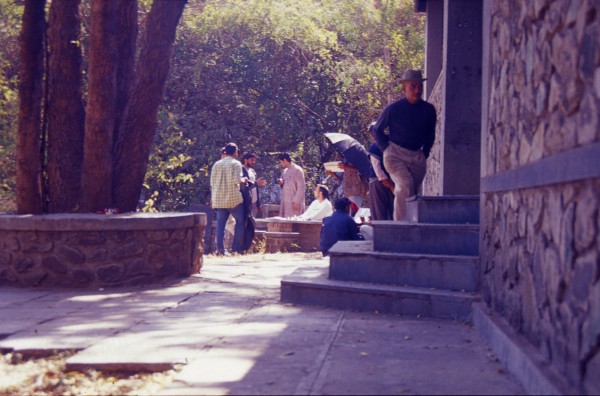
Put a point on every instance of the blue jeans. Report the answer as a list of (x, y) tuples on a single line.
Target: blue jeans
[(238, 234)]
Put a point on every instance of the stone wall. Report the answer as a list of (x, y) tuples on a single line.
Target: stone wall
[(545, 81), (91, 251), (432, 184), (540, 244), (540, 270)]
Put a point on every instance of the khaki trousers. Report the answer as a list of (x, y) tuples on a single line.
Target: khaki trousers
[(407, 169)]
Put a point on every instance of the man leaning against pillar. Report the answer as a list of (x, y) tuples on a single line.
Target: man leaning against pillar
[(411, 125)]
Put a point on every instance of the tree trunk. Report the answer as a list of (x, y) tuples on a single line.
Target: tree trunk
[(137, 131), (29, 192), (65, 109), (100, 111), (126, 45)]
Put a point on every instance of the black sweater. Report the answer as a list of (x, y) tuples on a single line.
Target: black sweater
[(411, 126)]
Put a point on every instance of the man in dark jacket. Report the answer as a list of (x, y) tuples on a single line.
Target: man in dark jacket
[(339, 226), (411, 124), (249, 159)]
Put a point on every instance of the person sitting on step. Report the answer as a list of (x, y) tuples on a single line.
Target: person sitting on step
[(339, 226)]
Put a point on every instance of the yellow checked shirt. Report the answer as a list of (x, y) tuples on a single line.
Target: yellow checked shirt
[(225, 183)]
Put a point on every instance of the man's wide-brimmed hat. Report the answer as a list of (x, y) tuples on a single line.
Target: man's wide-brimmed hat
[(412, 75)]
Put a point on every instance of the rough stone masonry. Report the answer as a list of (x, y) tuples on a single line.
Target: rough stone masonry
[(540, 260), (90, 251)]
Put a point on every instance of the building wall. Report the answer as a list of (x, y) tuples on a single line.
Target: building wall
[(432, 184), (455, 91), (541, 179)]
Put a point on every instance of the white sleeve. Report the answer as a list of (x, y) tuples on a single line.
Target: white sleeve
[(378, 168)]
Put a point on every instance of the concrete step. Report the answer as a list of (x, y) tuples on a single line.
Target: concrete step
[(357, 261), (310, 286), (444, 209), (406, 237)]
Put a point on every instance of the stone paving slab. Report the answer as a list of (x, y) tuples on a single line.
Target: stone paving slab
[(34, 313), (348, 359), (283, 359), (180, 333), (231, 334), (74, 320), (418, 356), (42, 342), (13, 295)]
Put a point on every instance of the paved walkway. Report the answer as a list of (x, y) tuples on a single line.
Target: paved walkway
[(232, 335)]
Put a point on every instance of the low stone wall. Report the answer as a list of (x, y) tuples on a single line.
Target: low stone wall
[(291, 235), (90, 251)]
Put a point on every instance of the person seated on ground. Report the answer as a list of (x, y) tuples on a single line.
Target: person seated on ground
[(339, 226), (320, 207)]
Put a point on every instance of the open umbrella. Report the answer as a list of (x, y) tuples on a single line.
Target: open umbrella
[(352, 151)]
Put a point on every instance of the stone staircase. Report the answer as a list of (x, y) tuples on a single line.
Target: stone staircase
[(426, 267)]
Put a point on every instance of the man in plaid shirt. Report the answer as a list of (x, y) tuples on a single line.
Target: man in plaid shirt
[(226, 198)]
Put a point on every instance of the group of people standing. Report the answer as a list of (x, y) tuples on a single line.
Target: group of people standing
[(234, 192), (402, 136)]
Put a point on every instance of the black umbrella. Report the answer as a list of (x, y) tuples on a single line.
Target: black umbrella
[(353, 152)]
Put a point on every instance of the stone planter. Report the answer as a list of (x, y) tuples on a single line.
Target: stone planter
[(286, 235), (91, 251)]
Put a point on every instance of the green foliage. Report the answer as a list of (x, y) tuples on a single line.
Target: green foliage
[(407, 42), (274, 75), (170, 174), (271, 75), (10, 19)]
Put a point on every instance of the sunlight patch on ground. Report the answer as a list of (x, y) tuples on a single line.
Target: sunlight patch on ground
[(221, 365)]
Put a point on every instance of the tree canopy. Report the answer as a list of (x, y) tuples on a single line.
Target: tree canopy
[(270, 75), (275, 76)]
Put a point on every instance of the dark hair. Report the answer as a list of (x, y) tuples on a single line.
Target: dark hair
[(324, 190), (230, 148), (342, 203), (284, 156)]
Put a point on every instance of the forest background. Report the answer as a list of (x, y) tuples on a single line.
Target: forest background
[(270, 75)]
